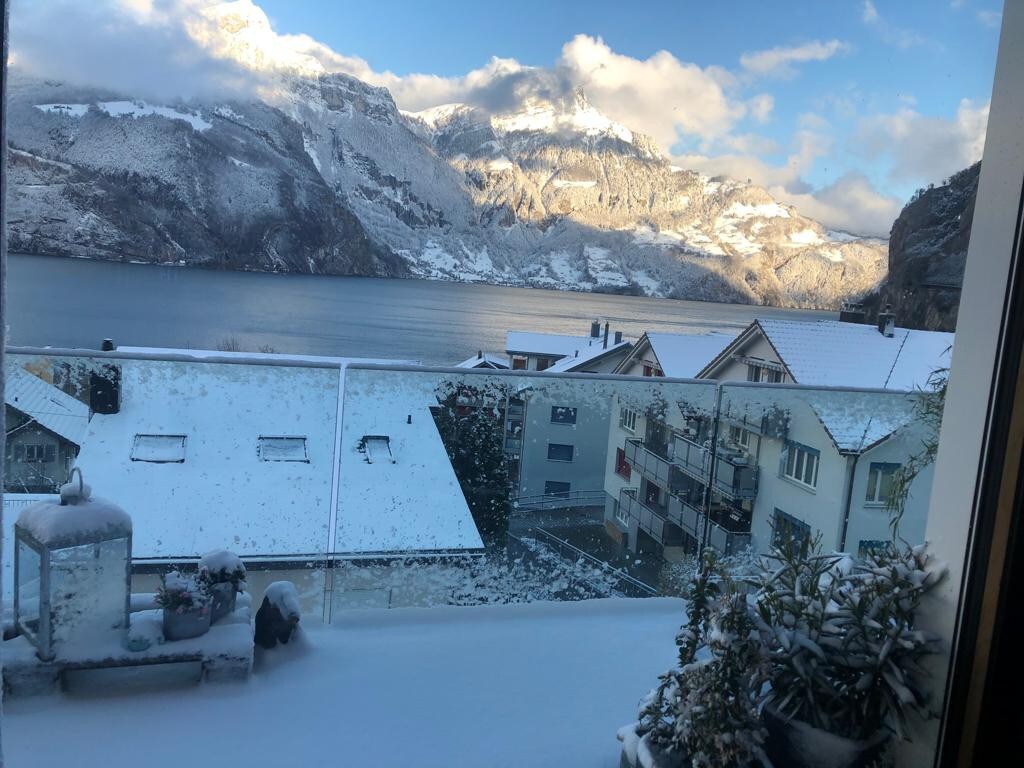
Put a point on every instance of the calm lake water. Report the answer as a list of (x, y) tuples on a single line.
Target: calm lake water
[(77, 303)]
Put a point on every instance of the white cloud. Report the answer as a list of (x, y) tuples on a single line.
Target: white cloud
[(890, 33), (990, 18), (920, 148), (779, 61)]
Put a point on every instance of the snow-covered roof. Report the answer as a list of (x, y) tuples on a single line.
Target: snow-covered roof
[(52, 408), (584, 357), (858, 422), (223, 495), (412, 502), (834, 353), (213, 354), (681, 355), (554, 344), (484, 361)]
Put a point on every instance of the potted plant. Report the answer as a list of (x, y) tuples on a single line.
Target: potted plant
[(704, 713), (223, 574), (843, 650), (186, 605)]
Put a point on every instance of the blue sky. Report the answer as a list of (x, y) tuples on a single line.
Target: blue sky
[(840, 107)]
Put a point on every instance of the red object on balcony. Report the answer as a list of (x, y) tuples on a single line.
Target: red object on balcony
[(622, 467)]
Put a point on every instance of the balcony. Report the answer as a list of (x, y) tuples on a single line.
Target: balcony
[(655, 523), (729, 528), (648, 463), (736, 476)]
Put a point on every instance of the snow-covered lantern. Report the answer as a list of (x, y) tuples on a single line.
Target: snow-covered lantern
[(72, 571)]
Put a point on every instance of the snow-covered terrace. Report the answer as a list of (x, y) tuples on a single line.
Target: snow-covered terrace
[(543, 684)]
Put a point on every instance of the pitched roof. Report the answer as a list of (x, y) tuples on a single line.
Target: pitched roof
[(834, 353), (587, 356), (52, 408), (553, 344), (681, 355), (484, 361)]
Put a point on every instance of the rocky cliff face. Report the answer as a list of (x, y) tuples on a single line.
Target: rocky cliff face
[(927, 255), (96, 175), (323, 174)]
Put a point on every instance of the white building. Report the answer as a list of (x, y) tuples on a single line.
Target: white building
[(808, 462), (539, 351)]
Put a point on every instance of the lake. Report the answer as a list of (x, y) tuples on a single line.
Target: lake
[(76, 303)]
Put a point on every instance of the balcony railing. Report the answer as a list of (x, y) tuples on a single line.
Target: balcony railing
[(647, 519), (647, 462), (736, 475)]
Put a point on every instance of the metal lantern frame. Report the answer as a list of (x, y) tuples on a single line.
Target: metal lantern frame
[(42, 637)]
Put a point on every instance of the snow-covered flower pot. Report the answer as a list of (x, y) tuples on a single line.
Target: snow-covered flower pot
[(224, 576), (186, 603), (186, 623), (797, 744)]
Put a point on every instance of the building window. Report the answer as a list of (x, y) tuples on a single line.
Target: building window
[(739, 436), (652, 370), (786, 528), (282, 449), (159, 449), (543, 363), (35, 453), (560, 452), (622, 467), (556, 488), (620, 514), (561, 414), (800, 463), (763, 373), (627, 419), (880, 477), (652, 495), (518, 363)]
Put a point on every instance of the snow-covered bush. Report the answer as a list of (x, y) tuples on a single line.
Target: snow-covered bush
[(220, 566), (842, 639), (182, 593), (675, 578), (705, 710)]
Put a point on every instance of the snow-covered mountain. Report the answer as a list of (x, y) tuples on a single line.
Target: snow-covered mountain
[(324, 174)]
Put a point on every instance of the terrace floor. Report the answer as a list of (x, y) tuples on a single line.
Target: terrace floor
[(543, 684)]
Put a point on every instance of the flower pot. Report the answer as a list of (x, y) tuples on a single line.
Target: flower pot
[(224, 595), (186, 623), (796, 744)]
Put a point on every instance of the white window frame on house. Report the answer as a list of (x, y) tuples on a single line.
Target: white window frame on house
[(620, 514), (739, 435), (572, 450), (564, 411), (282, 448), (793, 464), (763, 373), (627, 418), (877, 472), (145, 448), (35, 453), (792, 524)]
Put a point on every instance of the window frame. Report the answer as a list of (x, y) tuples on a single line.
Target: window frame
[(560, 494), (799, 453), (184, 448), (572, 452), (563, 422), (628, 418), (878, 468), (305, 448)]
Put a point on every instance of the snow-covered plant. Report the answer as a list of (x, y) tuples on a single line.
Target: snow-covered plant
[(706, 709), (182, 593), (841, 639), (220, 566)]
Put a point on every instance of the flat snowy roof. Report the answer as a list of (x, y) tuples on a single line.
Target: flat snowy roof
[(525, 342), (574, 361)]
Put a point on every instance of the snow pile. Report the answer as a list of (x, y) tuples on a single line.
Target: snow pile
[(282, 595), (531, 686)]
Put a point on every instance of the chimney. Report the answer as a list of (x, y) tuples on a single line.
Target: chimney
[(887, 322), (595, 329), (852, 312), (618, 337), (606, 335), (108, 345), (105, 389), (479, 354)]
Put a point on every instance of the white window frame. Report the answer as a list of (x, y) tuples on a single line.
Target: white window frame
[(628, 418), (620, 514), (265, 439), (794, 458), (181, 440), (575, 414), (871, 496)]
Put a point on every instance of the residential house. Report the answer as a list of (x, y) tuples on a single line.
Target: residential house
[(485, 361), (539, 351), (45, 429), (680, 355), (782, 461)]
